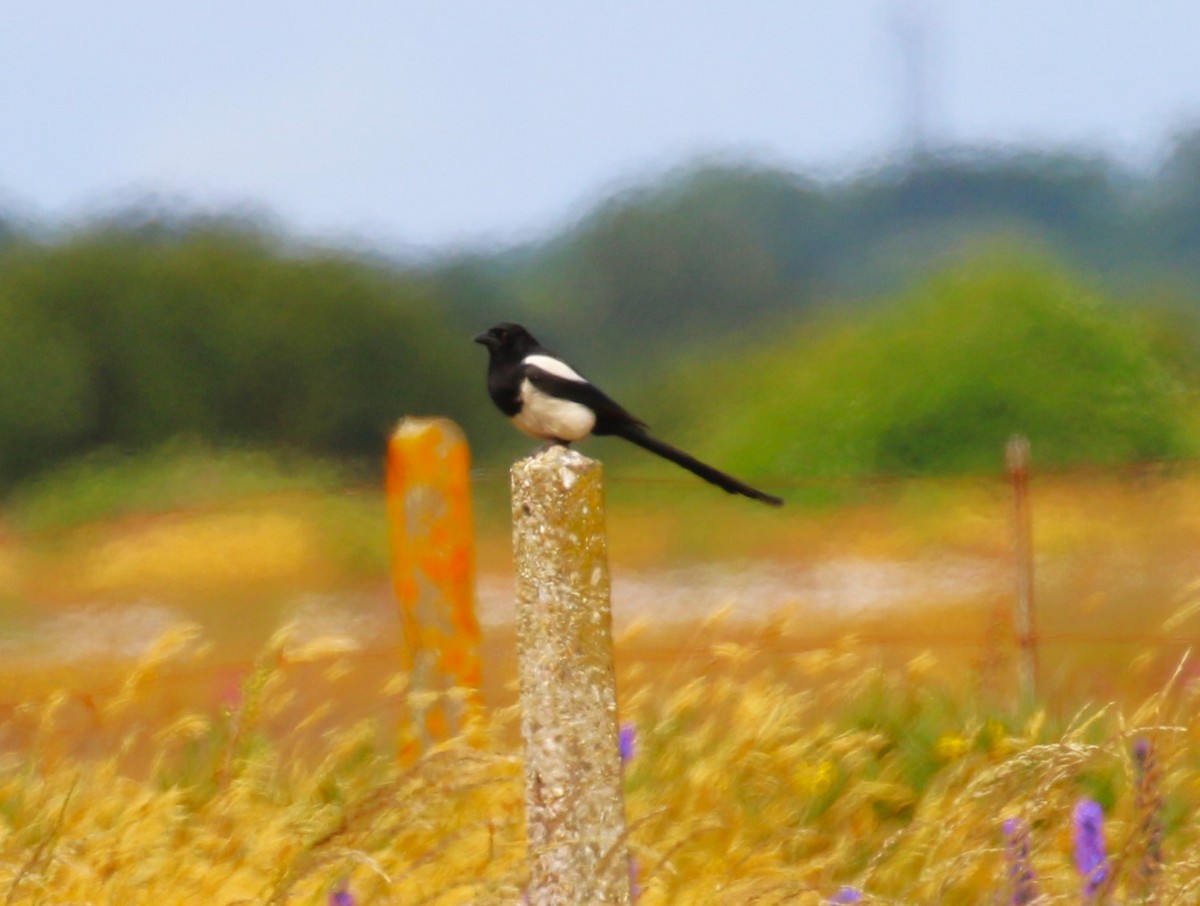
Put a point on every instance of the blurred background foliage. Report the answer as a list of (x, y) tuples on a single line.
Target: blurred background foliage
[(905, 319), (937, 379)]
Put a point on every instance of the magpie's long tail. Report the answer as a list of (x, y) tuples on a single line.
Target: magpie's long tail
[(637, 435)]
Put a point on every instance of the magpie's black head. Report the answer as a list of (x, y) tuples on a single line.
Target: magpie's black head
[(508, 339)]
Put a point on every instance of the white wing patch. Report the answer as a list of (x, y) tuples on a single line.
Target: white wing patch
[(549, 417), (556, 367)]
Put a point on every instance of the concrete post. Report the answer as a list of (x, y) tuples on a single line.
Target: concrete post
[(574, 808)]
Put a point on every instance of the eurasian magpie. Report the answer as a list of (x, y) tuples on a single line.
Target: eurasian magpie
[(548, 399)]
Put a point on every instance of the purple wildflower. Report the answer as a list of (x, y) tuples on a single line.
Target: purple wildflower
[(1022, 881), (1091, 860), (342, 896), (847, 895), (627, 740), (635, 870)]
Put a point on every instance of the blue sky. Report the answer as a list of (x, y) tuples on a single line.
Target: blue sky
[(428, 123)]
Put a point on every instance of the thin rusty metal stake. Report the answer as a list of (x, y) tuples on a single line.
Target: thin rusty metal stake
[(1016, 455)]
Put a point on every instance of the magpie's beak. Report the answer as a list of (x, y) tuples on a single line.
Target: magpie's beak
[(486, 339)]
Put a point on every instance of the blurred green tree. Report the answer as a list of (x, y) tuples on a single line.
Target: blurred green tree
[(126, 338), (1173, 220), (47, 402), (937, 380), (708, 249)]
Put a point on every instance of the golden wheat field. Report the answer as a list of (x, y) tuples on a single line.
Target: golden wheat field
[(790, 751)]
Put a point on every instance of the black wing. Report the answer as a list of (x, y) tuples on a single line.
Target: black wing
[(611, 417)]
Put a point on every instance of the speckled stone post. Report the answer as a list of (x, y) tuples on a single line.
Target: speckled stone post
[(574, 813)]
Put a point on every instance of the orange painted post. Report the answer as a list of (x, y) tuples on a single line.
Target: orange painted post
[(433, 571)]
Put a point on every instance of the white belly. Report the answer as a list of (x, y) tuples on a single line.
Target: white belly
[(550, 418)]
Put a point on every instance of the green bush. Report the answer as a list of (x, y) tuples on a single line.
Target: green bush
[(936, 381)]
